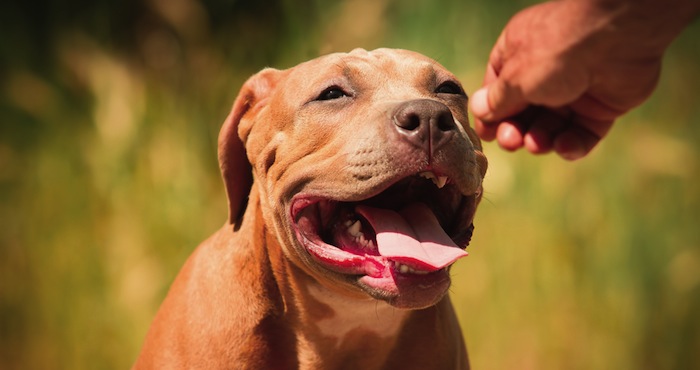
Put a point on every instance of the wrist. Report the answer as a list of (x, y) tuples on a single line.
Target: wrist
[(649, 25)]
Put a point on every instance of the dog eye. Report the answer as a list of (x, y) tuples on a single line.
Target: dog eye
[(333, 92), (449, 87)]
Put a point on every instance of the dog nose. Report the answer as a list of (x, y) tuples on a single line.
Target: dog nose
[(425, 123)]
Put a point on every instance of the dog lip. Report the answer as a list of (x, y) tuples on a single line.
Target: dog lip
[(365, 267), (378, 276), (407, 290), (463, 209), (319, 222)]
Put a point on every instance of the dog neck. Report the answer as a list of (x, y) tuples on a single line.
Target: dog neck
[(336, 330)]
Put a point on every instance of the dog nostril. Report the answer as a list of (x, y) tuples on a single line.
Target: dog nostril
[(412, 122), (445, 122), (409, 121), (424, 115)]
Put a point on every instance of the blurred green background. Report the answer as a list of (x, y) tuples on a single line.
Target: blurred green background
[(108, 179)]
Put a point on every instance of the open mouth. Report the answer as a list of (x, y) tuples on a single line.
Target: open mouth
[(403, 238)]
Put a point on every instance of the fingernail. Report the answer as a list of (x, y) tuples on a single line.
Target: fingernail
[(480, 103)]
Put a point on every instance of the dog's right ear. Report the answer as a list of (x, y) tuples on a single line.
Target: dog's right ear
[(233, 161)]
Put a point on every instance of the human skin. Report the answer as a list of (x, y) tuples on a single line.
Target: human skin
[(562, 72)]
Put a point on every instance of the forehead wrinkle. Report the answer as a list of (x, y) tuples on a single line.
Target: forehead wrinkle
[(426, 73), (382, 69), (430, 76), (421, 77), (360, 70)]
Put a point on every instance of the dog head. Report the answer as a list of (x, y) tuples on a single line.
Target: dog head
[(367, 170)]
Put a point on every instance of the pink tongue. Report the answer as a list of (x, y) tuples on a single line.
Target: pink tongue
[(412, 236)]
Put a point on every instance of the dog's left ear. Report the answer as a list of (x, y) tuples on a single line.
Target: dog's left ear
[(233, 161)]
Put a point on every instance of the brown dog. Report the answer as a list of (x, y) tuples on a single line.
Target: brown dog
[(365, 179)]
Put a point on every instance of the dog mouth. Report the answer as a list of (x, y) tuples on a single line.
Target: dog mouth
[(399, 242)]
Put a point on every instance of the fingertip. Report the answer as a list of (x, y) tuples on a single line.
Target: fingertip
[(484, 131), (510, 137), (537, 141), (479, 103)]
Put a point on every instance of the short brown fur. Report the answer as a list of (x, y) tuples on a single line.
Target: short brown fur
[(249, 297)]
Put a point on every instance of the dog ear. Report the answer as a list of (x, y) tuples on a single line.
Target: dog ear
[(233, 161)]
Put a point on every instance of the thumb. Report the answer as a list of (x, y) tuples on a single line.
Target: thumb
[(497, 100)]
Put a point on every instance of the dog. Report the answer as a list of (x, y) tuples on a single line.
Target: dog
[(352, 182)]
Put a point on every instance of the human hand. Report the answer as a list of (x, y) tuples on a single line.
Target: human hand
[(561, 73)]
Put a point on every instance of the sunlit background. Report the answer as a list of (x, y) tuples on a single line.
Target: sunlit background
[(109, 114)]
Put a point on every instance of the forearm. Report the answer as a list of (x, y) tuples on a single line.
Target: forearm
[(651, 24)]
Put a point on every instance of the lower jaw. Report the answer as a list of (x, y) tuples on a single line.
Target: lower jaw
[(407, 291), (380, 278)]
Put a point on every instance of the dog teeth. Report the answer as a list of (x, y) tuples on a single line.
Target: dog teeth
[(427, 175), (354, 229), (439, 181), (405, 269), (363, 242)]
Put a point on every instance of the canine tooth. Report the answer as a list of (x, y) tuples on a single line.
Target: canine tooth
[(354, 229), (440, 182), (403, 269)]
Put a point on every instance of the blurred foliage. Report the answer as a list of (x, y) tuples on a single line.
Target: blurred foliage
[(108, 179)]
